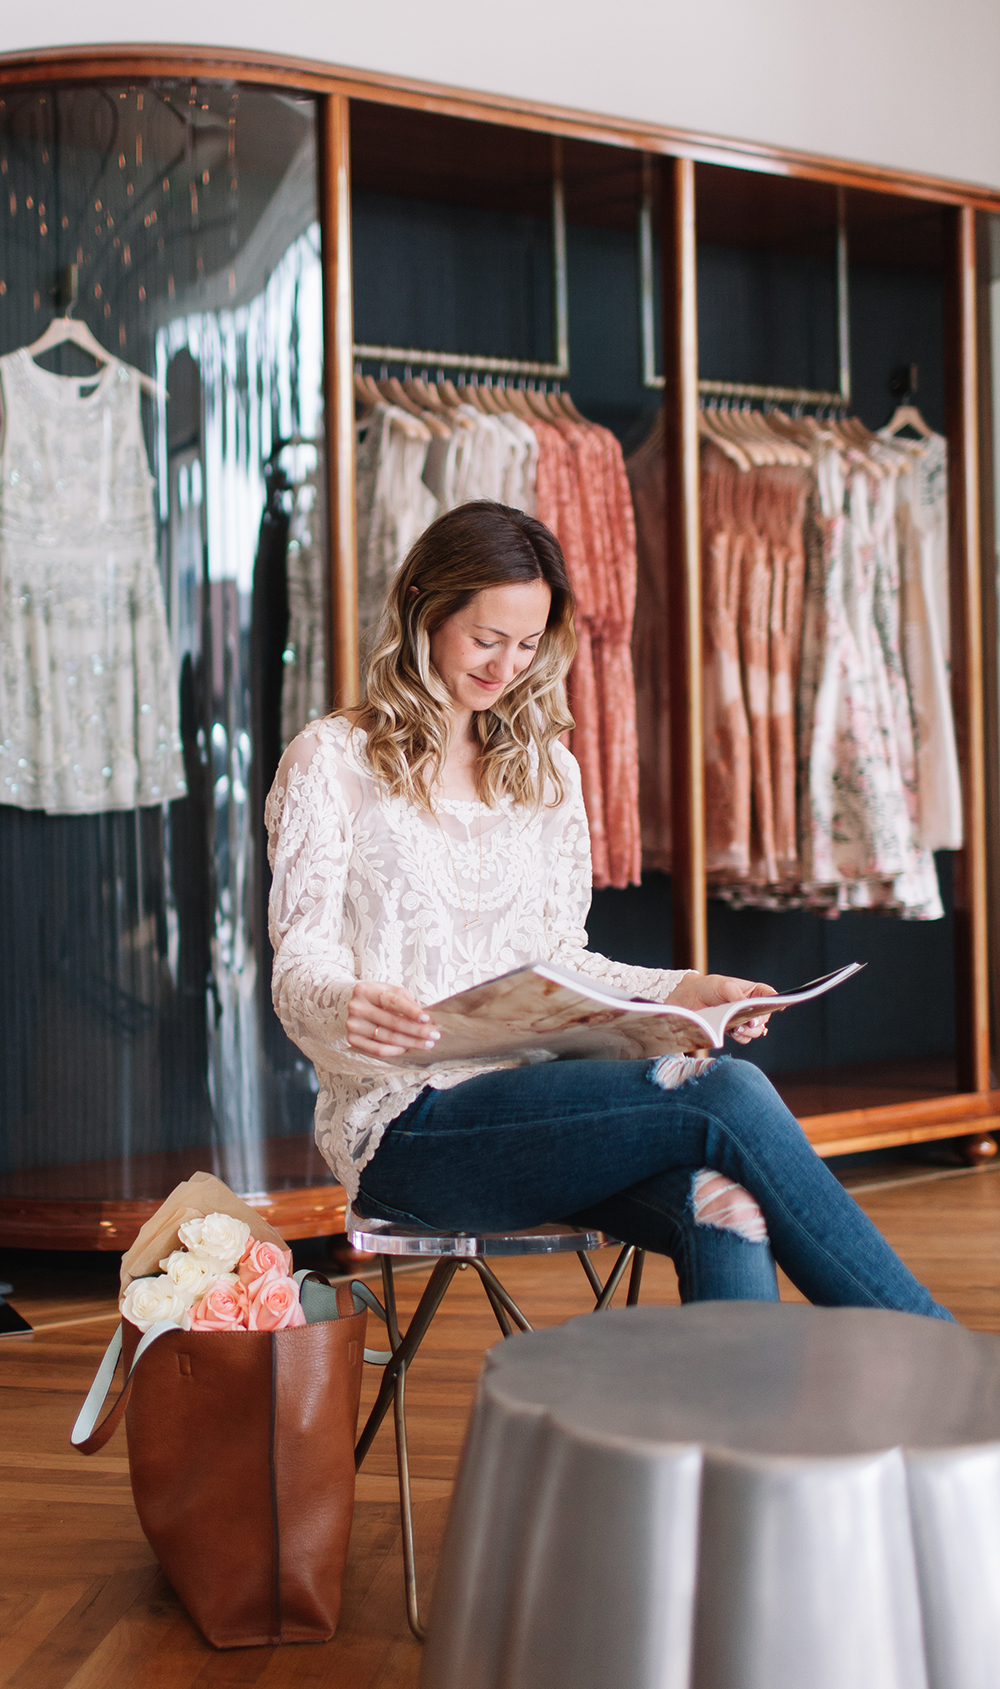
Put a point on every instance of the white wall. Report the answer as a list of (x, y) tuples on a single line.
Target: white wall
[(910, 83)]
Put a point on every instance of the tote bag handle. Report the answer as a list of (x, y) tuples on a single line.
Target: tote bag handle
[(88, 1440), (83, 1436)]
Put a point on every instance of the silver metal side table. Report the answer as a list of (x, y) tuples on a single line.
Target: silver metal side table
[(727, 1496)]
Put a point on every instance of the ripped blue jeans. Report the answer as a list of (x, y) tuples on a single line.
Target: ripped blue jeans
[(603, 1144)]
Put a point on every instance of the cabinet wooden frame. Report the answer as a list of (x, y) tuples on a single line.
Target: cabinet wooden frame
[(311, 76), (976, 1105)]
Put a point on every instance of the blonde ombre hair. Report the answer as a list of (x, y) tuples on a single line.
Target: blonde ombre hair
[(406, 708)]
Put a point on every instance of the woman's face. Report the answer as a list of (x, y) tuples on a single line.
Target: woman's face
[(479, 651)]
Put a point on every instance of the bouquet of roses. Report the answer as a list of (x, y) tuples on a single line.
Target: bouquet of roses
[(221, 1278)]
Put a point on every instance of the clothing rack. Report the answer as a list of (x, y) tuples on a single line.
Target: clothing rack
[(559, 370), (411, 358), (770, 395), (741, 389)]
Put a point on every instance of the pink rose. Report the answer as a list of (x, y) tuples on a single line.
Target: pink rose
[(261, 1258), (274, 1303), (223, 1308)]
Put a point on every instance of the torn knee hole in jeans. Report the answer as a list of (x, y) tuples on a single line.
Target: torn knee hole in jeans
[(718, 1202), (669, 1072)]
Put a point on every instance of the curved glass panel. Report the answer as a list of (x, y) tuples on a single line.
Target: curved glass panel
[(162, 624)]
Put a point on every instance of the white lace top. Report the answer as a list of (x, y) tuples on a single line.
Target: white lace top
[(372, 888)]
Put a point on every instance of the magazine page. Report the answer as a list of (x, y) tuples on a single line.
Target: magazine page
[(542, 1012), (526, 1014), (724, 1017)]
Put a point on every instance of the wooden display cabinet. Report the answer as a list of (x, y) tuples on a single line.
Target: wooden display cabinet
[(842, 1112)]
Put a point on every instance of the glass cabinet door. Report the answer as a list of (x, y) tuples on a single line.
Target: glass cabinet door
[(162, 620)]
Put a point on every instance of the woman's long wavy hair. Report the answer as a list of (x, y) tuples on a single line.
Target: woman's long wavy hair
[(405, 711)]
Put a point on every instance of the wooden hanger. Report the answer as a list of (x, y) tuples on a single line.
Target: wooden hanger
[(413, 426), (365, 390), (431, 398), (470, 393), (803, 430), (424, 394), (411, 422), (516, 401), (908, 416), (730, 427), (393, 392), (722, 441), (486, 398), (569, 410), (502, 400), (63, 329), (544, 405), (789, 450), (758, 429), (853, 429), (715, 423), (783, 427), (496, 398), (449, 393)]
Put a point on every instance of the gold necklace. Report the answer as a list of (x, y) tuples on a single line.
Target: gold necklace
[(469, 924)]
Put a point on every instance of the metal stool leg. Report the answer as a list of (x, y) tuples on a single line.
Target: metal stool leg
[(499, 1311), (416, 1624), (500, 1298), (615, 1277), (635, 1278), (404, 1346), (603, 1293), (393, 1389), (593, 1276)]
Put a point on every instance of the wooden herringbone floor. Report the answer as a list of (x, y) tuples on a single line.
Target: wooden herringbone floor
[(82, 1602)]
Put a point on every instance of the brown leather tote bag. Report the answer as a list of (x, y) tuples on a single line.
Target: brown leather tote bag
[(241, 1455)]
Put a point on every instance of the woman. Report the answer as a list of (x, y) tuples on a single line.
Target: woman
[(435, 838)]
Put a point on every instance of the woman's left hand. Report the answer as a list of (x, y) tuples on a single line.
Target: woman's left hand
[(704, 991)]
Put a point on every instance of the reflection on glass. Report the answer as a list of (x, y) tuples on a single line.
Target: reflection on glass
[(162, 612)]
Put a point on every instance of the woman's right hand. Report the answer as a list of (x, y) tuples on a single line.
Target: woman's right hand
[(383, 1020)]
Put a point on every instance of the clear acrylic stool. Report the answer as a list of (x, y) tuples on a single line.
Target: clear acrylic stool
[(452, 1251)]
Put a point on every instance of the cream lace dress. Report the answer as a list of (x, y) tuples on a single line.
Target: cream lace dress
[(88, 689), (368, 887), (393, 504), (922, 523)]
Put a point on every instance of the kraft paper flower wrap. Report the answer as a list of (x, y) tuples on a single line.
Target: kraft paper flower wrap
[(241, 1419), (202, 1194)]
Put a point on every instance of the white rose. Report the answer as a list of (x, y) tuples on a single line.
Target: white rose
[(193, 1275), (218, 1238), (150, 1299)]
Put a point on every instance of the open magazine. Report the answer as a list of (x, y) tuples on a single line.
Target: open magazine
[(543, 1011)]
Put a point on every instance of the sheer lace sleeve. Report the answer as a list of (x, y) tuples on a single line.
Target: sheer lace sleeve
[(568, 899), (309, 846)]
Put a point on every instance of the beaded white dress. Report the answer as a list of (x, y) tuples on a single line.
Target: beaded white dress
[(88, 693), (368, 887), (303, 678)]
